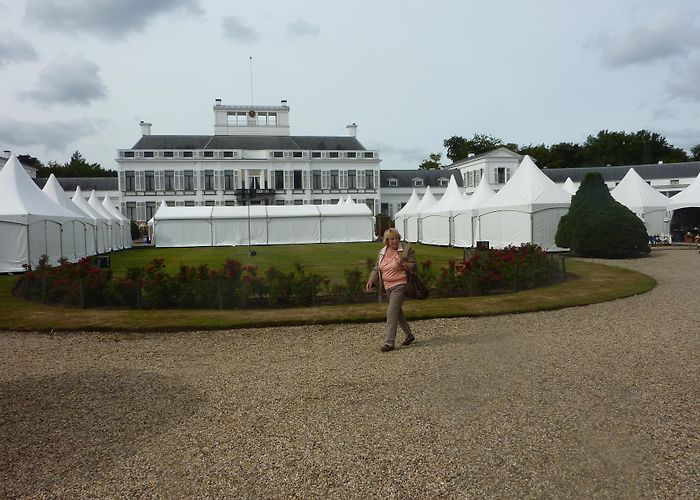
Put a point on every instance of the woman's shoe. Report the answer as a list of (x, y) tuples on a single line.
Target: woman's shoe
[(386, 348), (409, 340)]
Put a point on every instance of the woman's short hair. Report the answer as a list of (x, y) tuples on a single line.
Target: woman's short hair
[(392, 232)]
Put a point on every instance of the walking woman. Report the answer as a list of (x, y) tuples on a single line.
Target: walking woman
[(395, 260)]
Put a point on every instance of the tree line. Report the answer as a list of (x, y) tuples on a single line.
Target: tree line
[(605, 148), (77, 166)]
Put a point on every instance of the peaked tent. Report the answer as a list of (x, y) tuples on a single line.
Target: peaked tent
[(400, 216), (466, 222), (412, 223), (30, 222), (645, 201), (79, 235), (569, 186), (436, 222), (526, 210), (124, 223), (115, 237), (102, 229), (689, 197)]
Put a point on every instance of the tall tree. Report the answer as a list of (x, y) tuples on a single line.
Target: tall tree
[(78, 166), (695, 153), (31, 161), (433, 162), (459, 148)]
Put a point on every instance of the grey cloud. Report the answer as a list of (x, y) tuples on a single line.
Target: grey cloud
[(301, 28), (54, 135), (408, 157), (14, 48), (72, 81), (236, 28), (113, 19), (666, 37), (683, 84)]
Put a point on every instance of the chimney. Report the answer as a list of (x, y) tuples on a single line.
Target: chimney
[(352, 130), (217, 102), (283, 102), (7, 153), (145, 128)]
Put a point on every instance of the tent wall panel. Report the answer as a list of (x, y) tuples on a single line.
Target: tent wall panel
[(13, 251), (179, 233)]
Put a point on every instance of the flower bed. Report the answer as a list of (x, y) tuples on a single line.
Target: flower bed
[(235, 285)]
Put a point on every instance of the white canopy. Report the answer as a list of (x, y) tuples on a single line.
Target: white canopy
[(569, 186), (645, 201), (413, 217), (124, 222), (526, 210), (102, 238), (689, 197), (436, 222), (262, 225), (79, 235), (115, 236), (466, 222), (30, 221), (400, 216)]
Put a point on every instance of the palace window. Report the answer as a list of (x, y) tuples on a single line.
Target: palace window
[(208, 180), (129, 182), (393, 182), (189, 180), (150, 181), (169, 179), (418, 182), (352, 182), (334, 179), (167, 154)]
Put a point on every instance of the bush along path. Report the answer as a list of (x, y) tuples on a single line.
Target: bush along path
[(237, 286)]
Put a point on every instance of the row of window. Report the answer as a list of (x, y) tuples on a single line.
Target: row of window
[(367, 155), (211, 180)]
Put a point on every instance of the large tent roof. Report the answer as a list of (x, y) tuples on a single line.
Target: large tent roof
[(426, 202), (481, 194), (83, 205), (109, 208), (452, 200), (410, 205), (97, 207), (689, 197), (634, 193), (21, 199), (528, 190), (53, 190)]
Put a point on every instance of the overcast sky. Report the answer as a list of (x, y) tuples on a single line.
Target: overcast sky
[(81, 74)]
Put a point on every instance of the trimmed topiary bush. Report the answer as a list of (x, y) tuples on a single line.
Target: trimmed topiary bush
[(599, 226)]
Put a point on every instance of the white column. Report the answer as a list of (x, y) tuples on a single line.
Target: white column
[(246, 179)]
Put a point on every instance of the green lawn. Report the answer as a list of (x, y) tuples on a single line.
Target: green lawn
[(589, 283), (324, 259)]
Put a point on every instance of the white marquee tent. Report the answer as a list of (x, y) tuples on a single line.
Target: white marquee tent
[(526, 210), (466, 222), (30, 222), (124, 222), (114, 227), (262, 225), (100, 223), (78, 236), (400, 217), (436, 222), (412, 222), (689, 197), (642, 199), (569, 186)]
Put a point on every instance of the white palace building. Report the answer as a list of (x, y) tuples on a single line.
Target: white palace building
[(251, 159)]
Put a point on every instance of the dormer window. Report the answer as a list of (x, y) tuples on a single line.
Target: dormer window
[(418, 182), (393, 182), (443, 182)]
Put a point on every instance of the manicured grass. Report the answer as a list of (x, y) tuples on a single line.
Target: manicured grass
[(323, 259), (589, 283)]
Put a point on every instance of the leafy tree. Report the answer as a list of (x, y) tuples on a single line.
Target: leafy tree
[(433, 162), (598, 226), (621, 148), (31, 161), (459, 148), (76, 167), (695, 150)]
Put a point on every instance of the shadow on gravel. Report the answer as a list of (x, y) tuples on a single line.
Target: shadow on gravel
[(63, 429)]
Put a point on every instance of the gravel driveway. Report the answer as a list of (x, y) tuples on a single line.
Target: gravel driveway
[(595, 401)]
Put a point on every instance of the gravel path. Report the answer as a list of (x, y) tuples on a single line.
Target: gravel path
[(595, 401)]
